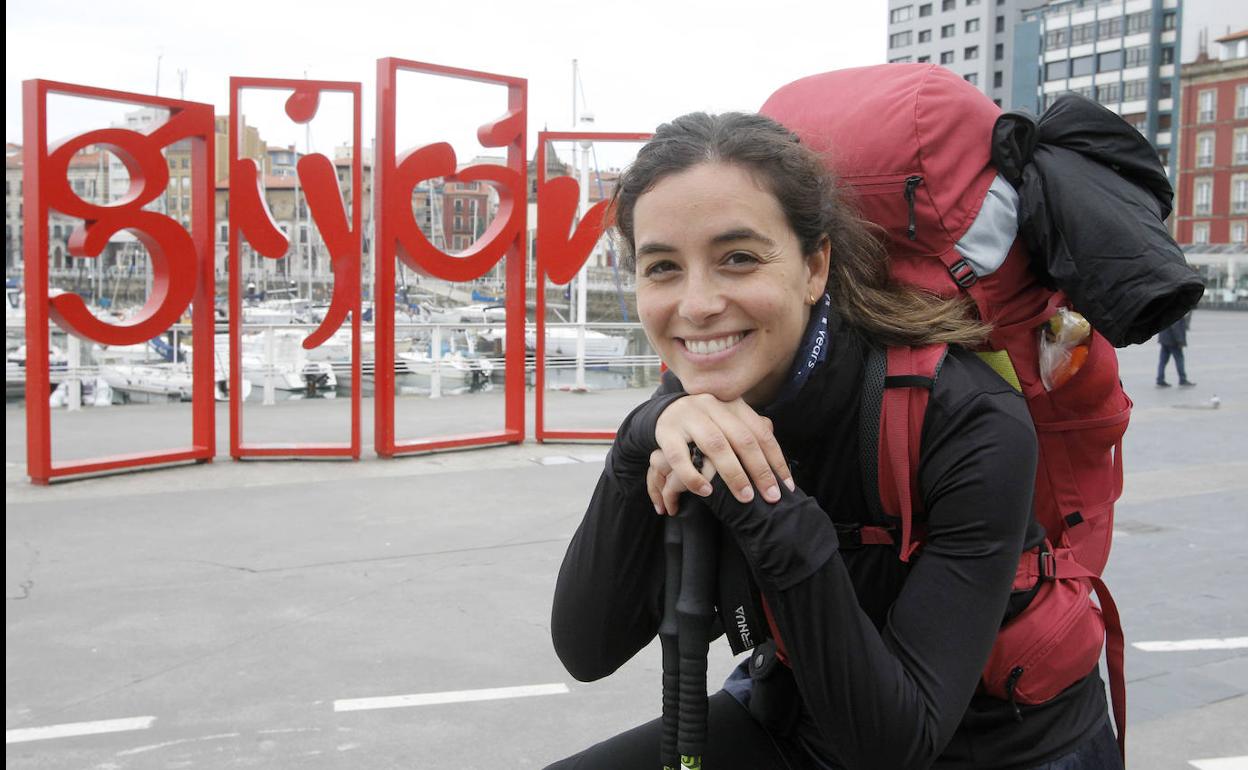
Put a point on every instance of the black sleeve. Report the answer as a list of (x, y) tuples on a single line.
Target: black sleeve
[(608, 597), (893, 698)]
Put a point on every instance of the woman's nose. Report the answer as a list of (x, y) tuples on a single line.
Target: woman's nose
[(701, 299)]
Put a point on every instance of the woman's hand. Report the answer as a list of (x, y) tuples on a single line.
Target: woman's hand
[(735, 441)]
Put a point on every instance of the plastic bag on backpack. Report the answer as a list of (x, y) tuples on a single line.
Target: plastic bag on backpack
[(1063, 347)]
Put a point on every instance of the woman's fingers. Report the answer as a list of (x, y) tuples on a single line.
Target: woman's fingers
[(760, 454), (737, 440), (656, 478), (674, 488)]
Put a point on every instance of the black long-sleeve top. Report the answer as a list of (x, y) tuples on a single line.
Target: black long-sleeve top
[(887, 657)]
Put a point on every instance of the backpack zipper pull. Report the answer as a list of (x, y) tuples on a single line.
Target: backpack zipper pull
[(911, 183), (1010, 683)]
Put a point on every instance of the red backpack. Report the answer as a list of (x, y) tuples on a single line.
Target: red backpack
[(913, 144)]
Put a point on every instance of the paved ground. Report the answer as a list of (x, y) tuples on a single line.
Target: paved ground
[(237, 607)]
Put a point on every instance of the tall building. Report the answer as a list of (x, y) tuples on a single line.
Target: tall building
[(1212, 189), (971, 37), (1122, 54), (1024, 53)]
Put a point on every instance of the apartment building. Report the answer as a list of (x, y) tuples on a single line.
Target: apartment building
[(971, 37), (1212, 189)]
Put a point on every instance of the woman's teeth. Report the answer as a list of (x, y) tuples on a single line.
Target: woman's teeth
[(706, 347)]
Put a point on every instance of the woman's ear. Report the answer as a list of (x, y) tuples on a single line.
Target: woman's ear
[(818, 264)]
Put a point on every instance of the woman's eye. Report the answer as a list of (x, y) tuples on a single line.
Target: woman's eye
[(655, 269), (740, 258)]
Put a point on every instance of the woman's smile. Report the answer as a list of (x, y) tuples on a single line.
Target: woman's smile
[(712, 349)]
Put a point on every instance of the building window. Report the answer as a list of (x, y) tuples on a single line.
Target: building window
[(1000, 24), (925, 36), (1081, 65), (949, 30), (1168, 20), (972, 78), (998, 79), (1163, 90), (946, 57), (898, 15), (1056, 38), (1137, 56), (1083, 33), (1200, 232), (901, 60), (1202, 196), (972, 25), (1138, 121), (1167, 55), (1207, 106), (998, 52), (970, 52), (1239, 194), (1109, 93), (1134, 89), (1056, 70), (1163, 121), (925, 9), (1239, 232), (1108, 62), (923, 59), (459, 223), (948, 5), (1241, 101), (1240, 145), (1204, 150), (900, 39), (1139, 22), (1109, 28), (969, 3)]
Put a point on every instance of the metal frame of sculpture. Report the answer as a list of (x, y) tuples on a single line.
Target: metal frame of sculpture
[(182, 261), (398, 237), (250, 218), (561, 252)]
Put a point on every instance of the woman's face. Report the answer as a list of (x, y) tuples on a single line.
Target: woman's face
[(722, 286)]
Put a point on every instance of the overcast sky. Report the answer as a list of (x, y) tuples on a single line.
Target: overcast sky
[(642, 61)]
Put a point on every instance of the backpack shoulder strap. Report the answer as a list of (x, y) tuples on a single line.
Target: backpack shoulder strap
[(898, 383)]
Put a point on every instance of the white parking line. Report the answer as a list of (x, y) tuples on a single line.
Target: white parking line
[(1187, 645), (455, 696), (1221, 763), (24, 734)]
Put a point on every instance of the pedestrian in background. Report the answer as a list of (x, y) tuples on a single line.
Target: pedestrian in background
[(1173, 340)]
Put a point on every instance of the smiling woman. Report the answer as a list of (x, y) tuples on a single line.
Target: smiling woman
[(765, 294)]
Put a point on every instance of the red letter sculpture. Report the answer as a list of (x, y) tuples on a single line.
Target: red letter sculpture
[(399, 238), (561, 252), (251, 218), (181, 261)]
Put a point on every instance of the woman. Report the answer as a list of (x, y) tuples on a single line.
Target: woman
[(761, 291)]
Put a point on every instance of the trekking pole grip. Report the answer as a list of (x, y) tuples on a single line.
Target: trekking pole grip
[(669, 639), (695, 613)]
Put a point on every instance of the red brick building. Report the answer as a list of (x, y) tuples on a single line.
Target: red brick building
[(1212, 188)]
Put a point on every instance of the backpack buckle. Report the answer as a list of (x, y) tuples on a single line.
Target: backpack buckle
[(1047, 569), (963, 274)]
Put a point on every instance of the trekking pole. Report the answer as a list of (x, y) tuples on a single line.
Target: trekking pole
[(688, 612), (669, 639)]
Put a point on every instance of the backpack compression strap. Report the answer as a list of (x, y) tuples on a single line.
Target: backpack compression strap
[(898, 384)]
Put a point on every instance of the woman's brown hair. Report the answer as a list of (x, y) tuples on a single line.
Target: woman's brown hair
[(862, 289)]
